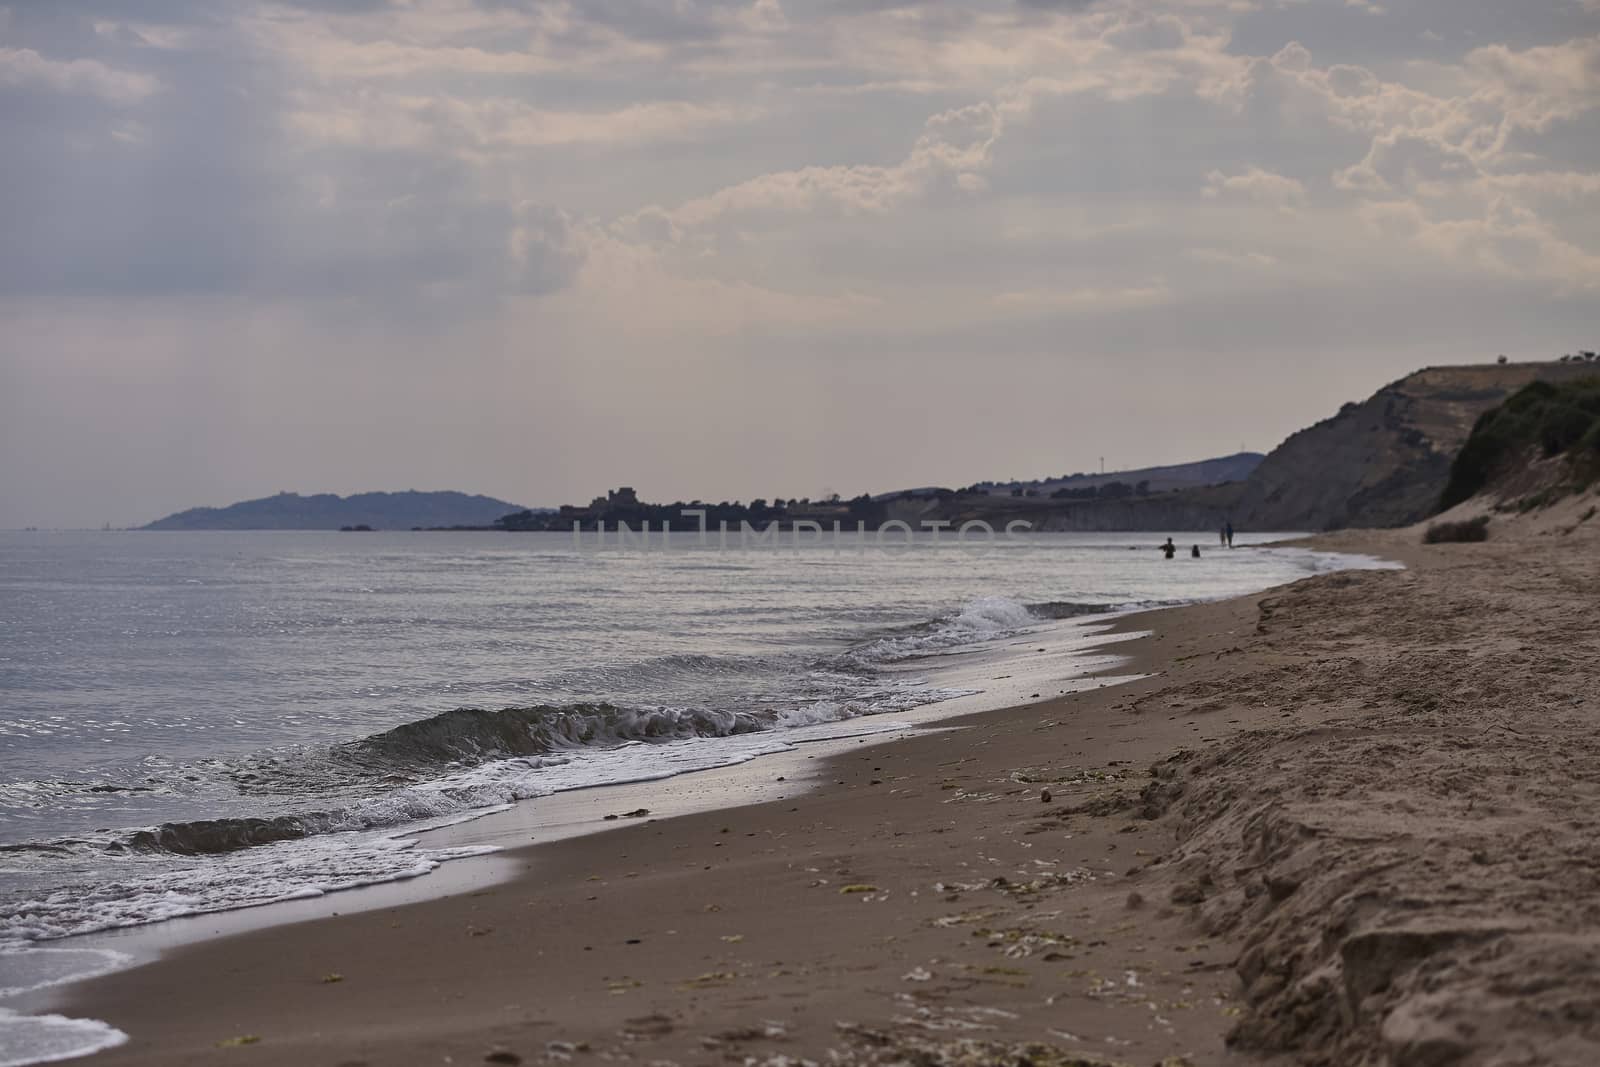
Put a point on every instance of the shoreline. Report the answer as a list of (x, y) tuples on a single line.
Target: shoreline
[(550, 871), (1341, 820), (557, 817), (434, 736), (1076, 646)]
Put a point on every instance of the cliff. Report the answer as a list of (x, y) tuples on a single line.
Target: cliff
[(1381, 462), (326, 511), (1539, 447), (1385, 461)]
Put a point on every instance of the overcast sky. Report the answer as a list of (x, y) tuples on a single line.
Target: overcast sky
[(770, 248)]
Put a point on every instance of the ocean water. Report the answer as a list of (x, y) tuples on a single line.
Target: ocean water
[(192, 722)]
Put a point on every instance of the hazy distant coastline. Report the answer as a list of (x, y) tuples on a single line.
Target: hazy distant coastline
[(327, 511), (1380, 462)]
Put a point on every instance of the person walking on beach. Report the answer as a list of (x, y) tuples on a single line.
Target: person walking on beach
[(1222, 537), (1169, 548), (1228, 532)]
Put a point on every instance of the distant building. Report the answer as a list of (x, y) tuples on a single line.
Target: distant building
[(623, 499)]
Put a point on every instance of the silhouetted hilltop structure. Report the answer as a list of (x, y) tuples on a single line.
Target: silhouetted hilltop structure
[(327, 511), (623, 506)]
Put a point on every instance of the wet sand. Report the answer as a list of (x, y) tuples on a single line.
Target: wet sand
[(1350, 817)]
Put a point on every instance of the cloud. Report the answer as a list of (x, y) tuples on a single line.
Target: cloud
[(953, 145), (211, 187), (1231, 258), (1536, 87), (1091, 299), (610, 207), (1263, 186), (451, 124), (26, 68), (1059, 5), (1161, 32), (1410, 161), (1507, 240)]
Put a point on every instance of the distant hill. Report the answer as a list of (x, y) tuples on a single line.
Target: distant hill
[(1223, 469), (326, 511)]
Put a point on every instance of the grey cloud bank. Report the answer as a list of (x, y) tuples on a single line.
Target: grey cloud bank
[(746, 249)]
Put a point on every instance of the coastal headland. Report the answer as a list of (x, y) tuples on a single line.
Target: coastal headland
[(1348, 820), (1381, 462)]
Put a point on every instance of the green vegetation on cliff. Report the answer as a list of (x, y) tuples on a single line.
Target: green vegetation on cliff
[(1541, 418)]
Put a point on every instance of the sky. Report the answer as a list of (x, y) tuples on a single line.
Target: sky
[(737, 248)]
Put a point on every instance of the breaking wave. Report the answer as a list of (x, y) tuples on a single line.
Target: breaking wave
[(378, 791), (417, 768), (980, 621), (473, 735), (413, 771)]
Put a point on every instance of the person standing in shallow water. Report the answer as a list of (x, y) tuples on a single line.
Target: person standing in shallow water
[(1169, 548), (1227, 531)]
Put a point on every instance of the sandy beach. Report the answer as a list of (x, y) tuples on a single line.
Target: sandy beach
[(754, 533), (1348, 820)]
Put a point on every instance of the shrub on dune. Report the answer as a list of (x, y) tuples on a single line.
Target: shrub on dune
[(1468, 530)]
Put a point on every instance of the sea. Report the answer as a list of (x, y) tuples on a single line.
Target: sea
[(193, 722)]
